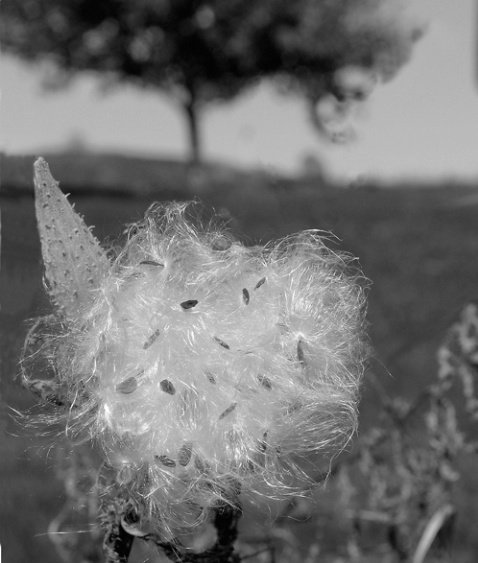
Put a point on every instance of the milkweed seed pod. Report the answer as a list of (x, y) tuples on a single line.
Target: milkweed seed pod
[(201, 369)]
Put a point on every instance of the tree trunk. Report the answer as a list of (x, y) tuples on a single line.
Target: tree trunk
[(192, 117)]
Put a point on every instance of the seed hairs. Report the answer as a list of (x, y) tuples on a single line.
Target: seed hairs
[(202, 370)]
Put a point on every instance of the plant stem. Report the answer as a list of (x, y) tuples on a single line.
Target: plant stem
[(117, 544)]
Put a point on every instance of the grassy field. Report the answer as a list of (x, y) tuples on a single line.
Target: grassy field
[(417, 244)]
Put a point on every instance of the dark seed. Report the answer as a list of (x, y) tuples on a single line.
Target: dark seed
[(127, 386), (165, 460), (249, 466), (185, 453), (265, 382), (222, 343), (151, 263), (259, 283), (210, 378), (227, 411), (263, 444), (245, 296), (167, 387), (300, 352), (151, 339), (189, 304)]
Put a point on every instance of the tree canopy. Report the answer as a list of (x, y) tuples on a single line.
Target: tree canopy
[(199, 51)]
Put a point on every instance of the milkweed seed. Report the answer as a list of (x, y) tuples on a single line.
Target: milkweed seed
[(220, 243), (165, 460), (264, 381), (227, 411), (245, 296), (263, 444), (151, 339), (151, 263), (249, 466), (259, 283), (210, 378), (127, 386), (185, 453), (222, 343), (300, 351), (189, 304), (167, 387)]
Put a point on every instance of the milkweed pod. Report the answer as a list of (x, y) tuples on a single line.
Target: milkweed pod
[(201, 401)]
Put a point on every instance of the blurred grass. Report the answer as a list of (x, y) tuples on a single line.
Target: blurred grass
[(417, 244)]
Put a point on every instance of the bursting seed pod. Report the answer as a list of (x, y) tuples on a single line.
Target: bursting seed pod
[(201, 371)]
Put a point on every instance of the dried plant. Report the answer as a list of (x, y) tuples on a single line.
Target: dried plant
[(205, 373)]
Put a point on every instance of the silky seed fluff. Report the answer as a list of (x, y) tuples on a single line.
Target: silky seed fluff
[(206, 370)]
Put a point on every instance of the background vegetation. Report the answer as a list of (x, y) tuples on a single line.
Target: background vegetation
[(200, 52)]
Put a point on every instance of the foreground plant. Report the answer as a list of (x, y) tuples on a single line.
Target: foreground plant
[(205, 373), (397, 496)]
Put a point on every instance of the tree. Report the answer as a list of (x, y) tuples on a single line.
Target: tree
[(200, 51)]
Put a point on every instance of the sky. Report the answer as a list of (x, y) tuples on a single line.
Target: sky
[(421, 125)]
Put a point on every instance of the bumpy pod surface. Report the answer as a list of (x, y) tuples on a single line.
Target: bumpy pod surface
[(203, 368)]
